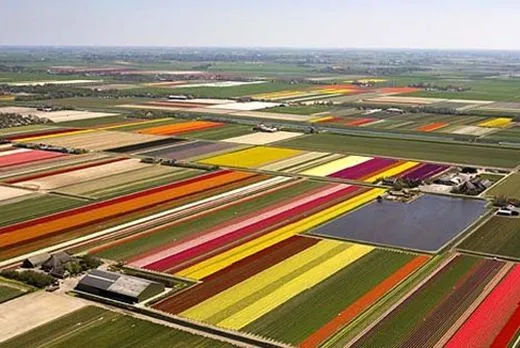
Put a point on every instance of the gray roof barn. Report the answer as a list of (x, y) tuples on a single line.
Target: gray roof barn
[(57, 260), (119, 287), (36, 260)]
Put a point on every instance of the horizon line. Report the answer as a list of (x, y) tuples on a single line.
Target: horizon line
[(258, 47)]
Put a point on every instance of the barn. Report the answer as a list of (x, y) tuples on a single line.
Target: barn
[(119, 287)]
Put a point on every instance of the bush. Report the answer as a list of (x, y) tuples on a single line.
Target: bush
[(73, 268), (36, 279), (89, 262)]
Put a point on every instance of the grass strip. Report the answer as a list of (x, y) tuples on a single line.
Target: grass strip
[(450, 152)]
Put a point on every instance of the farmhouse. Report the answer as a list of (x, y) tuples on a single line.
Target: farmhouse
[(119, 287), (36, 260), (56, 264)]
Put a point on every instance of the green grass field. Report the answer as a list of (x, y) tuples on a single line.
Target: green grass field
[(299, 317), (220, 133), (24, 129), (36, 207), (300, 110), (498, 236), (187, 228), (97, 327), (7, 293), (511, 135), (482, 89), (37, 76), (421, 150), (393, 329), (509, 188), (260, 67)]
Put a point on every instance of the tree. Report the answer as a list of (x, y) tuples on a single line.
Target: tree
[(36, 279), (87, 262)]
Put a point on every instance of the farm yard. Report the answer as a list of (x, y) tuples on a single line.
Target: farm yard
[(276, 203)]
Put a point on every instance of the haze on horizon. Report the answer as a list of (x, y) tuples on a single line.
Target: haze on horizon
[(440, 24)]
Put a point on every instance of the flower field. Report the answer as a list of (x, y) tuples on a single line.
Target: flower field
[(370, 169), (260, 138), (266, 291), (496, 319), (242, 304), (261, 198), (242, 229), (46, 227), (57, 180), (320, 164), (434, 314), (185, 150), (291, 245), (16, 157), (40, 133), (179, 128), (418, 122), (498, 122), (252, 158), (95, 140), (128, 182), (312, 93)]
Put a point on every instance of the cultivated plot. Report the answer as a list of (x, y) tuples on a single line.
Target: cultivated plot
[(499, 236), (189, 149), (94, 326), (450, 152), (262, 138), (508, 188), (435, 310), (56, 116), (98, 140)]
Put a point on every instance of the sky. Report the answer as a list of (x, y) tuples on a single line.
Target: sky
[(431, 24)]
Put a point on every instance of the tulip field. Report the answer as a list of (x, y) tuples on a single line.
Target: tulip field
[(276, 242), (285, 237), (468, 301), (319, 164)]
